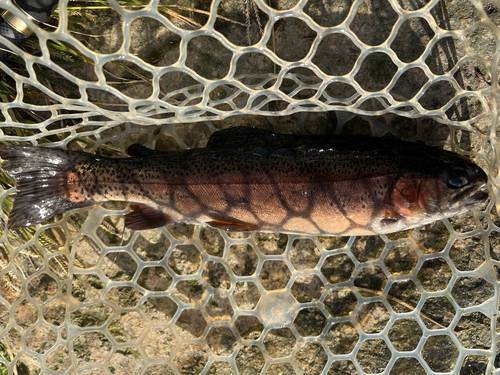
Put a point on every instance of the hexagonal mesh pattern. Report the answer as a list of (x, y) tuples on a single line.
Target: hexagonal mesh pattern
[(82, 294)]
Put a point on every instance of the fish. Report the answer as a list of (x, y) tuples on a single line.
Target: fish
[(249, 179)]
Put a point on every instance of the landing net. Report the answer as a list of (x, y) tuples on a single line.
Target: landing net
[(80, 294)]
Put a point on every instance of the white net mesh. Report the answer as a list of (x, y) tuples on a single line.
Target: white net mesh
[(82, 294)]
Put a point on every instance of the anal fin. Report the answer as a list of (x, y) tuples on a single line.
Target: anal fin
[(235, 226), (144, 217)]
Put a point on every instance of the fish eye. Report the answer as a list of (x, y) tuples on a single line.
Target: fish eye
[(458, 178)]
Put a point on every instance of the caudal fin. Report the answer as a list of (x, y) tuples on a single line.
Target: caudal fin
[(41, 175)]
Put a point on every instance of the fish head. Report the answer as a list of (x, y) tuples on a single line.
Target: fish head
[(444, 185), (455, 190)]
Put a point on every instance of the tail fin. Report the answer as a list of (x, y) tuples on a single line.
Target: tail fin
[(40, 174)]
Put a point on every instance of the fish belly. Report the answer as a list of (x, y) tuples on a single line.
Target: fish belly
[(335, 207)]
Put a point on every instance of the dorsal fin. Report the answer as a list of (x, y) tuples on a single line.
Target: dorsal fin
[(137, 150), (241, 136)]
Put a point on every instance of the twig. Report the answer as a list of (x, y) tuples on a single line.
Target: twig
[(395, 299), (206, 13), (257, 17), (481, 77), (247, 20)]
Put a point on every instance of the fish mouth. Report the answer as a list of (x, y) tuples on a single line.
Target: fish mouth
[(469, 197)]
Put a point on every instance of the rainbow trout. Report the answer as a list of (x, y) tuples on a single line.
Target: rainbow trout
[(247, 179)]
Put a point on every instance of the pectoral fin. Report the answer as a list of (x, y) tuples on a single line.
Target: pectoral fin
[(144, 217), (235, 226), (390, 216)]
